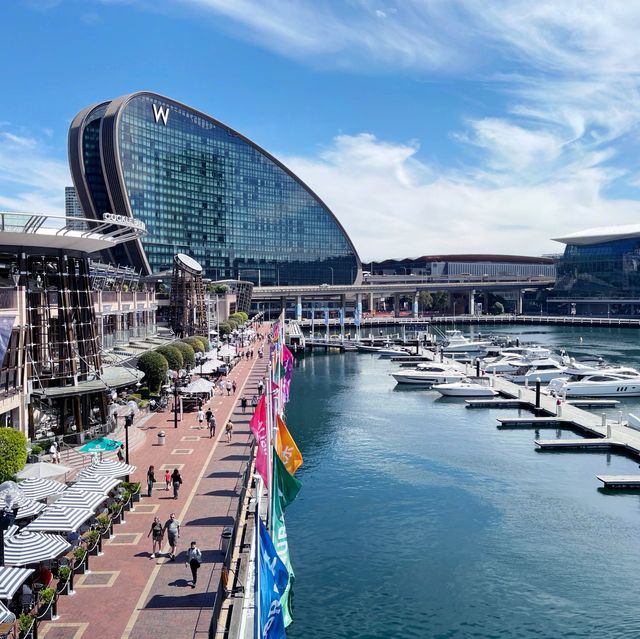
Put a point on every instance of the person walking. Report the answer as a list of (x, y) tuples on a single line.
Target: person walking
[(151, 479), (234, 386), (254, 402), (157, 534), (221, 387), (260, 387), (167, 478), (208, 415), (121, 453), (200, 418), (172, 528), (243, 403), (176, 480), (229, 387), (228, 429), (212, 426), (194, 559)]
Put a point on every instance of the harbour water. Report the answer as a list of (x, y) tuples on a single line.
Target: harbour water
[(418, 518)]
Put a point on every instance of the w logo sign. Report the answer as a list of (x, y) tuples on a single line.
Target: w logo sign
[(160, 113)]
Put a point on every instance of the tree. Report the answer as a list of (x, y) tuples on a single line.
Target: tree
[(195, 344), (173, 357), (440, 301), (425, 300), (497, 308), (205, 343), (188, 354), (221, 289), (155, 367), (13, 453), (225, 328)]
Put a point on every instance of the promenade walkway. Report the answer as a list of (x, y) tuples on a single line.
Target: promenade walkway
[(129, 595)]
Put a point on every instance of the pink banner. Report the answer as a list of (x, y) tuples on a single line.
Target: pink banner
[(258, 426)]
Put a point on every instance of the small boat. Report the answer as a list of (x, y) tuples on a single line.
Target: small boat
[(465, 388), (392, 351), (603, 382), (429, 374), (543, 370), (368, 348), (458, 343), (512, 360)]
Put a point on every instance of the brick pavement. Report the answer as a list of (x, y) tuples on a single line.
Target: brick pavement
[(131, 596)]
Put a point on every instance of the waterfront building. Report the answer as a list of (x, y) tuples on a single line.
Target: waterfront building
[(72, 209), (204, 190), (599, 272)]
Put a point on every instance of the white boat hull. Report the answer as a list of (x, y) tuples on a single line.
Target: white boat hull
[(425, 380), (593, 389), (534, 377), (465, 390)]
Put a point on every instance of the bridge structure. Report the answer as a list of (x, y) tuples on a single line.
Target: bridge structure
[(362, 297)]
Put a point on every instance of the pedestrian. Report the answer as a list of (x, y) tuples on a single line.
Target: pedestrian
[(53, 451), (167, 478), (151, 479), (228, 388), (260, 387), (194, 559), (229, 430), (208, 415), (172, 528), (121, 453), (243, 403), (176, 480), (157, 533), (212, 426), (221, 387), (200, 418), (234, 386), (254, 402)]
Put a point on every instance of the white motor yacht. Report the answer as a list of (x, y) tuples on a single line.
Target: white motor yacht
[(392, 351), (603, 382), (465, 388), (510, 361), (368, 348), (458, 343), (429, 374), (538, 369)]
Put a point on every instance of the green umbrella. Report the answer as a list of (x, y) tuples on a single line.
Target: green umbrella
[(100, 445)]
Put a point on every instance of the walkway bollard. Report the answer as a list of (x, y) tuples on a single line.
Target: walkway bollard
[(604, 420), (526, 382), (519, 393), (477, 367), (537, 392), (559, 407), (619, 417), (609, 431)]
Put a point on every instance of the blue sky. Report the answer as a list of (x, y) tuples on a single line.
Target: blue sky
[(427, 126)]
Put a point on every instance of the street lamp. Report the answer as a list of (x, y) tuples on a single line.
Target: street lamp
[(175, 399), (331, 267)]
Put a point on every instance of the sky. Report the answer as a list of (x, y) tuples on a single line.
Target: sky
[(427, 126)]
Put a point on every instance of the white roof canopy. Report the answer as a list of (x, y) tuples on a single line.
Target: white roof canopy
[(601, 234)]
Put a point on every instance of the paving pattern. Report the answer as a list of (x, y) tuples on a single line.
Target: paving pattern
[(128, 594)]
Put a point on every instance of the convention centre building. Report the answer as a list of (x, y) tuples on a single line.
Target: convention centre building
[(204, 190)]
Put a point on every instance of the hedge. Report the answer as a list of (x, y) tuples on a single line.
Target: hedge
[(173, 356), (13, 453), (195, 343), (155, 367), (205, 342), (188, 354)]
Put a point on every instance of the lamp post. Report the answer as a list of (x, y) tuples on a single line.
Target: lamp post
[(175, 399), (331, 267), (128, 421)]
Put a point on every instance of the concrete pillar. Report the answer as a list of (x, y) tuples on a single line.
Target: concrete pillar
[(358, 313), (519, 301), (372, 308), (342, 312), (472, 302), (299, 308), (416, 309), (396, 304)]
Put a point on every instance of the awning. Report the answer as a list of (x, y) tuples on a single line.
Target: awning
[(56, 518), (96, 483), (11, 578), (42, 470), (112, 377), (209, 366), (199, 386), (31, 547), (108, 467), (78, 498), (40, 488), (100, 445)]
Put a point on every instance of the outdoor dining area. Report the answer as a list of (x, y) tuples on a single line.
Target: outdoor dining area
[(49, 529)]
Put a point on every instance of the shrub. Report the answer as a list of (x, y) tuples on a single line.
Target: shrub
[(195, 344), (104, 521), (173, 357), (47, 595), (79, 553), (25, 622), (205, 343), (63, 573), (221, 289), (497, 308), (13, 453), (225, 328), (155, 367), (36, 450), (93, 536), (134, 397), (143, 403), (188, 354)]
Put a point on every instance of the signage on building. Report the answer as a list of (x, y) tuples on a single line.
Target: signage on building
[(160, 113), (124, 220)]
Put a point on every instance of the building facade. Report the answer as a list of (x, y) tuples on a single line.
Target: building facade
[(204, 190)]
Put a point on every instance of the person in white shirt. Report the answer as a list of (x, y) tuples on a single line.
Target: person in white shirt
[(201, 418), (194, 559)]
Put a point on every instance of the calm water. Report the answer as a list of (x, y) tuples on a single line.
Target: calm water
[(419, 518)]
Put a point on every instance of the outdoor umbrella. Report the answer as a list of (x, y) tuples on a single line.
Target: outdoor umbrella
[(37, 488), (108, 467), (78, 498), (199, 386), (56, 518), (96, 484), (31, 547), (12, 530), (12, 496), (6, 616), (100, 445), (11, 578), (42, 470)]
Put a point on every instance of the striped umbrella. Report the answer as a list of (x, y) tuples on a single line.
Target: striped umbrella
[(26, 507), (96, 484), (76, 498), (108, 467), (12, 530), (31, 547), (56, 518), (11, 578), (40, 488), (6, 616)]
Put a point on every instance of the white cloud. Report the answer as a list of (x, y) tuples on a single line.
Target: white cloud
[(393, 205), (31, 178)]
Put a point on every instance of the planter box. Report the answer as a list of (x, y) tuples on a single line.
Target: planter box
[(135, 497), (63, 589), (116, 519), (79, 568), (47, 615), (106, 532)]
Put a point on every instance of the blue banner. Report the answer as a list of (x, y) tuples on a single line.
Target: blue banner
[(358, 314), (341, 316), (326, 316), (274, 577)]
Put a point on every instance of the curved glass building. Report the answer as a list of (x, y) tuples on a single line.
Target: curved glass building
[(204, 190)]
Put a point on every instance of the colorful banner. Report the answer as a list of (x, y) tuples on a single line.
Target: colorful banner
[(274, 579), (341, 316), (285, 486), (286, 447), (258, 426)]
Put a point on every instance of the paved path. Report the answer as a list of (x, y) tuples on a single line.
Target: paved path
[(128, 594)]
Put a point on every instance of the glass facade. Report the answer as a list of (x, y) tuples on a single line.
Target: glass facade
[(609, 269), (92, 164), (205, 190)]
